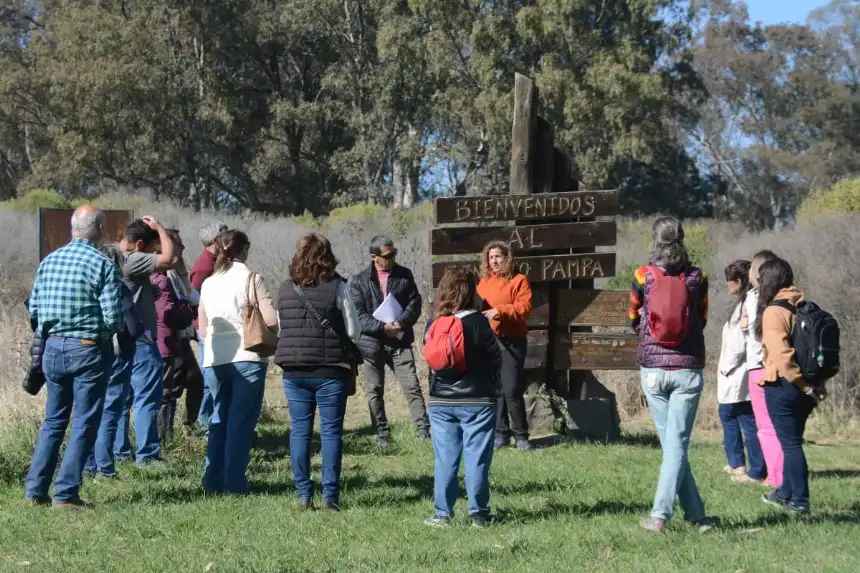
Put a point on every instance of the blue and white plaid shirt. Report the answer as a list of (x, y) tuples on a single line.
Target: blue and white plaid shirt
[(77, 293)]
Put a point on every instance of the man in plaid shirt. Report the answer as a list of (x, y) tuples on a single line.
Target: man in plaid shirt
[(77, 305)]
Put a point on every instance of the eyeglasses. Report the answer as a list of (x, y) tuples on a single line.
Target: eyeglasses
[(387, 256)]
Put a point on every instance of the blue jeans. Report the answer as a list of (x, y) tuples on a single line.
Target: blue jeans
[(673, 398), (789, 408), (303, 396), (118, 389), (738, 419), (76, 375), (207, 406), (466, 431), (145, 398), (237, 389)]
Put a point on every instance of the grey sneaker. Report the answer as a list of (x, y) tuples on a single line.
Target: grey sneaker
[(478, 521), (707, 524), (501, 443), (424, 436), (524, 445), (383, 443), (773, 499), (438, 521), (653, 524)]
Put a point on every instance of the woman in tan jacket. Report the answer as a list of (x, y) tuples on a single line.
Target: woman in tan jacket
[(790, 400)]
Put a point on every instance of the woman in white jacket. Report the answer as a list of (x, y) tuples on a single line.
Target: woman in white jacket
[(736, 411)]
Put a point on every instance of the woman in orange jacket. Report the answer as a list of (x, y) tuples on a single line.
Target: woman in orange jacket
[(507, 305)]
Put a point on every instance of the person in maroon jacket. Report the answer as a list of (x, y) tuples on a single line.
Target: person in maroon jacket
[(202, 269), (174, 314)]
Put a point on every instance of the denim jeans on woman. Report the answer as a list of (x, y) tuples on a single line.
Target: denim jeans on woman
[(207, 405), (739, 426), (102, 460), (76, 375), (673, 398), (237, 390), (789, 408), (303, 396), (462, 431)]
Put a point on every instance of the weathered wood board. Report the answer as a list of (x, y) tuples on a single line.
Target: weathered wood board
[(586, 351), (592, 308), (544, 207), (465, 240), (548, 268), (536, 352), (55, 228)]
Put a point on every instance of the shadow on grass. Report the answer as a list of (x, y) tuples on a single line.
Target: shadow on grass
[(553, 509), (834, 474), (640, 440), (849, 515)]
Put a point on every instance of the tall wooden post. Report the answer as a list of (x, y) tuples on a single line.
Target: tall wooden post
[(523, 136)]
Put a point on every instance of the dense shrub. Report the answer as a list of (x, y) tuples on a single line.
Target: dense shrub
[(31, 201), (843, 197)]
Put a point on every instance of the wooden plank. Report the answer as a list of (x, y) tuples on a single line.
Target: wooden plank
[(585, 351), (548, 268), (465, 240), (545, 207), (536, 351), (55, 228), (592, 308), (539, 317), (544, 158), (523, 135)]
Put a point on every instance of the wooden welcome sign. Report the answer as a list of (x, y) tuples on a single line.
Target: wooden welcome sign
[(571, 306), (554, 233)]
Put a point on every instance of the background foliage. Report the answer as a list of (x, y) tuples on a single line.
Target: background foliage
[(307, 105)]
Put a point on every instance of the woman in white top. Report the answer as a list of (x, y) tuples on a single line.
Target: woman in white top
[(770, 446), (733, 394), (236, 376)]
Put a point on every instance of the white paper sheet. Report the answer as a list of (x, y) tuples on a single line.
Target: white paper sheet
[(389, 311)]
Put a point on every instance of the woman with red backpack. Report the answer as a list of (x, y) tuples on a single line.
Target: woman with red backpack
[(669, 311), (464, 358)]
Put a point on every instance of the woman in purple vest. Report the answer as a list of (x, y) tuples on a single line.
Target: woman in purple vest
[(669, 310)]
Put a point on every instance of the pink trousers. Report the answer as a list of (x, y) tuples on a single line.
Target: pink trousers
[(766, 434)]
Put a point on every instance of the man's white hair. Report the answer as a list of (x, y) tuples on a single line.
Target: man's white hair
[(210, 232), (88, 224)]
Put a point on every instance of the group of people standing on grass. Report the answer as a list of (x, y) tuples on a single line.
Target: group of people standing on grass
[(117, 322), (762, 391)]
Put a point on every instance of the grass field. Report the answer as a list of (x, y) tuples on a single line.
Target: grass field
[(563, 507)]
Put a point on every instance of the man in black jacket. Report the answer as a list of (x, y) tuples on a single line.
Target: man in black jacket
[(390, 343)]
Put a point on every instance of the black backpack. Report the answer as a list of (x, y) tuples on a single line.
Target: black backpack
[(815, 339)]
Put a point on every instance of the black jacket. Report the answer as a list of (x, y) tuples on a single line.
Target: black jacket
[(305, 348), (366, 295), (479, 385)]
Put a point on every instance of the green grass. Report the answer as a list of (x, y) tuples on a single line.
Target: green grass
[(569, 507)]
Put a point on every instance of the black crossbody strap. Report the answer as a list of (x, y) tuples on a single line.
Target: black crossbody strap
[(325, 323)]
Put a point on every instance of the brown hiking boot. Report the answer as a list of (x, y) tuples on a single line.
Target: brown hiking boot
[(73, 504)]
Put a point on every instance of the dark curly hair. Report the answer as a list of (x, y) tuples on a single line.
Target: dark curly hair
[(314, 260)]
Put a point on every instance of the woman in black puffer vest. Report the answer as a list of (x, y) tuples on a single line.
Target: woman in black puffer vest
[(318, 325)]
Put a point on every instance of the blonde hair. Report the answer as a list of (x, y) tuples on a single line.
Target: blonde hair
[(759, 259), (507, 265)]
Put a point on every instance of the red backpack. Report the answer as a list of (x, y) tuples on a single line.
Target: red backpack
[(670, 309), (444, 345)]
